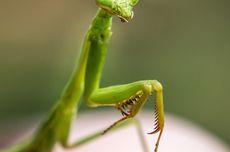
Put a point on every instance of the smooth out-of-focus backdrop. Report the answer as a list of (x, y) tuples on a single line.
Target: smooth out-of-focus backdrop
[(185, 44)]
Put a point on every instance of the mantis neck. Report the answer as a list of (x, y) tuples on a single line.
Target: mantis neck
[(87, 73)]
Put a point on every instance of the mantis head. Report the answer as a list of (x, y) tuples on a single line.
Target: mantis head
[(120, 8)]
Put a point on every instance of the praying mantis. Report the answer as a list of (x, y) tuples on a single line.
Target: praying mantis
[(85, 81)]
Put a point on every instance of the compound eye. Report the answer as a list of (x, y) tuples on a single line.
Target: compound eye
[(134, 2)]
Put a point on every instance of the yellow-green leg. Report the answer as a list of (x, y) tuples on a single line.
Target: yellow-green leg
[(129, 99)]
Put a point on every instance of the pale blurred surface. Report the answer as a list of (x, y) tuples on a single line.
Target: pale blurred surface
[(182, 43), (179, 135)]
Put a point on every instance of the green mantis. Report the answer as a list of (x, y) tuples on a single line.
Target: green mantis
[(85, 80)]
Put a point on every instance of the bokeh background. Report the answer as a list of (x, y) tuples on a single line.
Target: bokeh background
[(185, 44)]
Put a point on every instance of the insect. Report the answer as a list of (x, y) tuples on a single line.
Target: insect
[(85, 80)]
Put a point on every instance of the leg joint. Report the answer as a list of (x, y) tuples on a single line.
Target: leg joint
[(156, 85)]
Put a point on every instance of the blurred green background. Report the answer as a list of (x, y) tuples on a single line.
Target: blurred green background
[(185, 44)]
